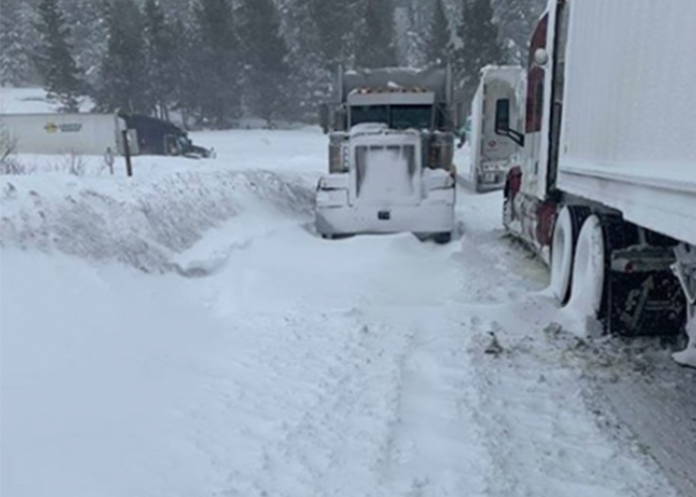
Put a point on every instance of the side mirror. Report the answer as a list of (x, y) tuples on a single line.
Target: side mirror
[(502, 122), (324, 117), (541, 57)]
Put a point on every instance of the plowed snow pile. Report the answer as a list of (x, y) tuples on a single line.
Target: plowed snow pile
[(290, 365)]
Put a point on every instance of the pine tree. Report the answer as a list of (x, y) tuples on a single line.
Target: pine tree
[(159, 57), (54, 59), (376, 46), (16, 31), (265, 56), (217, 65), (310, 77), (123, 77), (183, 65), (439, 36), (476, 45), (87, 22), (336, 22), (517, 20)]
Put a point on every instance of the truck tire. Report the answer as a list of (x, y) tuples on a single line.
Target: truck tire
[(443, 238), (589, 269), (565, 235)]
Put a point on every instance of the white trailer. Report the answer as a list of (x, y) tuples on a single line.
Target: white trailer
[(89, 134), (606, 190), (491, 155)]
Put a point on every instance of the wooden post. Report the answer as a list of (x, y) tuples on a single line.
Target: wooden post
[(126, 149)]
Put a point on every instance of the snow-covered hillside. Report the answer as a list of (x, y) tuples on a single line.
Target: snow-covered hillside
[(183, 332)]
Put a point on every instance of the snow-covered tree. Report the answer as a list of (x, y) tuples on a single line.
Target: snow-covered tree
[(376, 44), (182, 66), (264, 53), (310, 77), (16, 33), (476, 45), (160, 49), (86, 19), (438, 36), (517, 20), (337, 23), (62, 78), (123, 77), (217, 64)]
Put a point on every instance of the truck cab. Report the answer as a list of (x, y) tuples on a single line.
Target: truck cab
[(499, 93), (390, 157)]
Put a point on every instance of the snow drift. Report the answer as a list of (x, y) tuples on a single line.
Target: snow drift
[(142, 223)]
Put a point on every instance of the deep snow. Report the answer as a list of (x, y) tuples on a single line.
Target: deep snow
[(184, 333)]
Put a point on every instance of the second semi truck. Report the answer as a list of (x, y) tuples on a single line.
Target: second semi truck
[(606, 188)]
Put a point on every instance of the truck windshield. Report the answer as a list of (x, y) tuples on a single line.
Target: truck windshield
[(369, 114), (395, 116), (411, 116)]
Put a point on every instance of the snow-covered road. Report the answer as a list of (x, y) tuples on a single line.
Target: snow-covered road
[(264, 361)]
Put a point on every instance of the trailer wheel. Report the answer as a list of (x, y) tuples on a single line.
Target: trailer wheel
[(565, 235), (589, 269)]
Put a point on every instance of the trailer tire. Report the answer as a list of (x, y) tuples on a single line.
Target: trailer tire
[(565, 235), (589, 269)]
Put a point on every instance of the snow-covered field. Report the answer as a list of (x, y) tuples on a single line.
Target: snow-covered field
[(183, 332)]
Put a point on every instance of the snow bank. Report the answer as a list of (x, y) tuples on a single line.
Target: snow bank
[(142, 222)]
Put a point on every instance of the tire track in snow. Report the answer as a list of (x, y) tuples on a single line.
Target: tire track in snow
[(438, 447), (338, 443)]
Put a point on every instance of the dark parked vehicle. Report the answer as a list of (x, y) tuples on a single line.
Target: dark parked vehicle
[(160, 137)]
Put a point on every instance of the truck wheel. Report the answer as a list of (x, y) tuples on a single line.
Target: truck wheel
[(589, 268), (565, 235), (443, 238)]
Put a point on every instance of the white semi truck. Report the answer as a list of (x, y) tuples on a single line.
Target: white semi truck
[(391, 143), (491, 155), (96, 134), (606, 188)]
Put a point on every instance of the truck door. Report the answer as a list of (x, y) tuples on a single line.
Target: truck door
[(495, 148)]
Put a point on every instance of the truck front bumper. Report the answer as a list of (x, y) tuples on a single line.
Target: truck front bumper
[(433, 215)]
